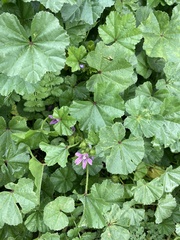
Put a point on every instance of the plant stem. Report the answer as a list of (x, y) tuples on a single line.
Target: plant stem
[(87, 179)]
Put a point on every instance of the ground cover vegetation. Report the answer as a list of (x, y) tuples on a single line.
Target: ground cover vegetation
[(90, 119)]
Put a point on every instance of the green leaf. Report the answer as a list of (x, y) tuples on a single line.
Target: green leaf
[(115, 225), (75, 55), (160, 35), (63, 127), (17, 84), (93, 212), (122, 156), (36, 168), (178, 229), (9, 212), (107, 190), (171, 179), (49, 236), (142, 67), (54, 216), (144, 119), (121, 29), (55, 154), (24, 194), (63, 179), (94, 115), (30, 57), (165, 208), (134, 215), (34, 222), (148, 192), (55, 5), (112, 65), (85, 10)]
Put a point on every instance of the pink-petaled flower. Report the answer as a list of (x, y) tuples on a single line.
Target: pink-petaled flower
[(83, 158), (54, 120)]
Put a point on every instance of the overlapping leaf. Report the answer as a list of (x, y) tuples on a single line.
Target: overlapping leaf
[(85, 10), (30, 57), (100, 112), (54, 212), (112, 65), (122, 155)]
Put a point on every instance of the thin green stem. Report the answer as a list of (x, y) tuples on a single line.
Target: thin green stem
[(42, 125), (87, 179)]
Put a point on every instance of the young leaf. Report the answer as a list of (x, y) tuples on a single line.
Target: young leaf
[(65, 121), (87, 11), (112, 65), (122, 156), (147, 193), (165, 208), (75, 55), (54, 212), (30, 57), (55, 154)]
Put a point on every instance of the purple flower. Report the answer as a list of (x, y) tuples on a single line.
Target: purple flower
[(54, 120), (84, 158), (81, 65)]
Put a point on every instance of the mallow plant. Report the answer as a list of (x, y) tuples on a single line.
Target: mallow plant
[(90, 119)]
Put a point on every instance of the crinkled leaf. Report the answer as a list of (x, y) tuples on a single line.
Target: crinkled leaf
[(75, 55), (63, 127), (115, 225), (178, 229), (54, 216), (101, 112), (121, 29), (144, 119), (171, 179), (93, 212), (107, 190), (148, 192), (161, 35), (63, 179), (167, 227), (134, 215), (165, 208), (85, 10), (111, 64), (23, 193), (34, 222), (17, 84), (49, 236), (31, 57), (55, 154), (122, 155)]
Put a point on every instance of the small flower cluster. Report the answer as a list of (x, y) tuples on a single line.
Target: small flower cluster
[(54, 120)]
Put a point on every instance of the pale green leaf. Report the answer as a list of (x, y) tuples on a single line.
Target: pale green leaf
[(122, 155), (23, 193), (101, 112), (142, 67), (49, 236), (115, 232), (75, 55), (171, 179), (178, 229), (30, 57), (165, 208), (148, 192), (85, 10), (54, 216), (112, 65), (55, 154), (9, 211), (107, 190), (161, 35), (36, 168), (121, 29)]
